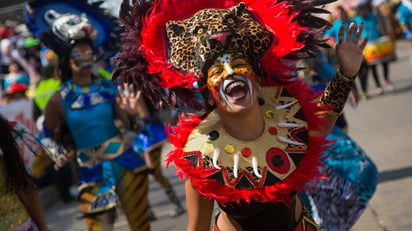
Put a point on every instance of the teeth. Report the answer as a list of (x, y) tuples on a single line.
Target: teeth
[(237, 79), (233, 85), (229, 84)]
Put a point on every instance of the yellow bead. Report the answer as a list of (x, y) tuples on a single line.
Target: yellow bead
[(269, 114), (85, 89), (229, 149)]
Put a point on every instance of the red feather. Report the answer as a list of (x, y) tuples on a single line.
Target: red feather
[(276, 17)]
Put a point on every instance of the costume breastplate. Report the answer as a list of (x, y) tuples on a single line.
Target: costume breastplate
[(269, 159), (269, 168)]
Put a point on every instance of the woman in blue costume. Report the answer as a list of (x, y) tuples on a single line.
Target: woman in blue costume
[(372, 30), (81, 117), (337, 202)]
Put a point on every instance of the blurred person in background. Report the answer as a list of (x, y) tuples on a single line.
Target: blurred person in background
[(49, 84), (387, 14), (377, 31), (16, 105), (5, 48), (21, 208), (404, 14), (150, 141)]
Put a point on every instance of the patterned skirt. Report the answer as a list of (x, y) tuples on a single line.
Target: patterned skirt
[(336, 203)]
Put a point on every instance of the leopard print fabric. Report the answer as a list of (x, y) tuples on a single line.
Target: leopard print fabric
[(194, 43), (337, 92)]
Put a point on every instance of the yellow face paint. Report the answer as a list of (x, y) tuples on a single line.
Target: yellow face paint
[(81, 56), (227, 65)]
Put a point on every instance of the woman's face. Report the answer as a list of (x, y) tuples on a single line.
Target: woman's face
[(232, 82), (13, 68), (81, 58)]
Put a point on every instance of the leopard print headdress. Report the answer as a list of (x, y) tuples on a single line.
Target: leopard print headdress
[(194, 43), (168, 44)]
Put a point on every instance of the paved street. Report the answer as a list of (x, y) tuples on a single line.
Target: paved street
[(382, 126)]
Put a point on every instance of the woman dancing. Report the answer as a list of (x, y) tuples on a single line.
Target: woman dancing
[(262, 133)]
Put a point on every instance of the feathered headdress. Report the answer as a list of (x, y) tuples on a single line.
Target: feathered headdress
[(170, 43), (57, 23)]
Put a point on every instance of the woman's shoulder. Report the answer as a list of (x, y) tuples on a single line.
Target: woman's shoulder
[(107, 85), (357, 18), (55, 100)]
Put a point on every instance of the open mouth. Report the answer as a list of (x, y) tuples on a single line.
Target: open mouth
[(85, 65), (236, 88)]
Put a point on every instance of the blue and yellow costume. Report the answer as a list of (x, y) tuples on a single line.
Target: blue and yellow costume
[(107, 161), (152, 136), (150, 142)]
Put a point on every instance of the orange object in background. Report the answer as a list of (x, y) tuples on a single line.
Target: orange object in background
[(379, 51)]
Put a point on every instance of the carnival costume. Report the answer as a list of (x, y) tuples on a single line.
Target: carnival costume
[(13, 213), (109, 168), (173, 43)]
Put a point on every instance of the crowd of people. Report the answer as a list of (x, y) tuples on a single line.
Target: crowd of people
[(83, 99)]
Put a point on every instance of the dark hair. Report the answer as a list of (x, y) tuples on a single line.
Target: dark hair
[(14, 62), (363, 6), (64, 59), (17, 177), (48, 72)]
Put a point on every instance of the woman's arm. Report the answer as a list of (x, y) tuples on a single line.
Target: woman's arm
[(335, 96), (31, 201), (54, 119), (53, 113), (199, 210), (132, 103), (122, 116), (350, 55)]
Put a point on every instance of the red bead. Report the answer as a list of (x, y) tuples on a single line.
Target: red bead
[(246, 152), (273, 130)]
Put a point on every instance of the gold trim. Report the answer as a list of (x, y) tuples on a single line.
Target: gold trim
[(345, 77), (98, 155), (156, 145)]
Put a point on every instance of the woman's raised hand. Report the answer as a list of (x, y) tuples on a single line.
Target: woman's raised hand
[(129, 99), (349, 51)]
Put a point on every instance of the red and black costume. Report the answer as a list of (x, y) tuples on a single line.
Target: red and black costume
[(171, 45)]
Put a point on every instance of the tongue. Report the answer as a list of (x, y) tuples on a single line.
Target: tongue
[(237, 92)]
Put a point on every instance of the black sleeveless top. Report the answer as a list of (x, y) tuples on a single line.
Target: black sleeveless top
[(262, 216)]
